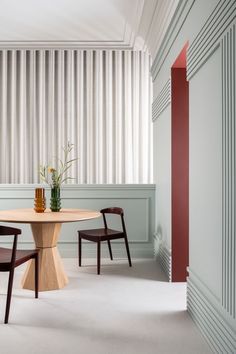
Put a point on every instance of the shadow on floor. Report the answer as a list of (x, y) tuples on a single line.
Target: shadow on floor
[(141, 269)]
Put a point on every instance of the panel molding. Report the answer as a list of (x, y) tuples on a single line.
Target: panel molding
[(219, 31), (92, 197), (161, 101), (172, 32), (228, 46), (218, 333), (216, 316), (208, 38)]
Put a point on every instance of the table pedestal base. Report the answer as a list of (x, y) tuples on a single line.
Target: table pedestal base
[(51, 271)]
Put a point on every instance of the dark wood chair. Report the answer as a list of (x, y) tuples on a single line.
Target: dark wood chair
[(12, 258), (104, 234)]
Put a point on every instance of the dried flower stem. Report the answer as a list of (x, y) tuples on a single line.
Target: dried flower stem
[(55, 177)]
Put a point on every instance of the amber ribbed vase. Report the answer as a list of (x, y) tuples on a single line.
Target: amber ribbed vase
[(39, 200)]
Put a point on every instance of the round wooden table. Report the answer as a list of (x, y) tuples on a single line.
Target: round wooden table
[(46, 229)]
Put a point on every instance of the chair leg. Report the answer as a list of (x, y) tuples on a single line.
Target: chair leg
[(80, 250), (128, 253), (9, 292), (98, 257), (36, 260), (109, 247)]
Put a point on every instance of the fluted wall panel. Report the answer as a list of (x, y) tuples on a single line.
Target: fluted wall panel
[(161, 101), (99, 100), (228, 46)]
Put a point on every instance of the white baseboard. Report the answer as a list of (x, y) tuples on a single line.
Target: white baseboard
[(89, 250), (218, 333), (163, 256)]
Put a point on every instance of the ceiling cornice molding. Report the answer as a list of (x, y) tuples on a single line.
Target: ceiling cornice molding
[(64, 45), (145, 24), (131, 28), (125, 43), (143, 29), (162, 17), (156, 17)]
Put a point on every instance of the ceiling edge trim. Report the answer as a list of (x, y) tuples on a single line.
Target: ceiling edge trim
[(64, 45)]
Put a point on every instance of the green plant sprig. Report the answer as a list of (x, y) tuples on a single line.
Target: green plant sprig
[(54, 177)]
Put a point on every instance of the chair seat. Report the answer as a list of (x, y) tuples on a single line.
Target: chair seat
[(12, 258), (101, 234), (104, 234), (21, 257)]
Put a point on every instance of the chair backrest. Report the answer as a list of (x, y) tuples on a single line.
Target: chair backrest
[(11, 231), (114, 210)]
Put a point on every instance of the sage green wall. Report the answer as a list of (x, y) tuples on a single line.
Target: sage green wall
[(209, 26), (136, 200)]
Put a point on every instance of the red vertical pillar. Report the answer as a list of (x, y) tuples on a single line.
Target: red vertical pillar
[(180, 173)]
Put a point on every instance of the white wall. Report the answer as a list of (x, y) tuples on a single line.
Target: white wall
[(136, 200), (162, 172), (162, 131), (206, 173), (211, 293)]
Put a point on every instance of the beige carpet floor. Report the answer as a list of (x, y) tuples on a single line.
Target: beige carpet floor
[(122, 311)]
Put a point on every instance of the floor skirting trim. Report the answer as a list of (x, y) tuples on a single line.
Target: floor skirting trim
[(163, 256), (213, 326)]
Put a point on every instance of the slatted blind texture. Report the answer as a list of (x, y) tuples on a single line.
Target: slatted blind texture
[(99, 100)]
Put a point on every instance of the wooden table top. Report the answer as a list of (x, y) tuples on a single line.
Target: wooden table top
[(29, 216)]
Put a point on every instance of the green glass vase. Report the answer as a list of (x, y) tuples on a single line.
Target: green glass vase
[(55, 201)]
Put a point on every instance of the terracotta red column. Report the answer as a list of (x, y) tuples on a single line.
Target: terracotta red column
[(180, 173)]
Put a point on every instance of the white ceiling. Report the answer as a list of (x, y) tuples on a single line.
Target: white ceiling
[(82, 23)]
